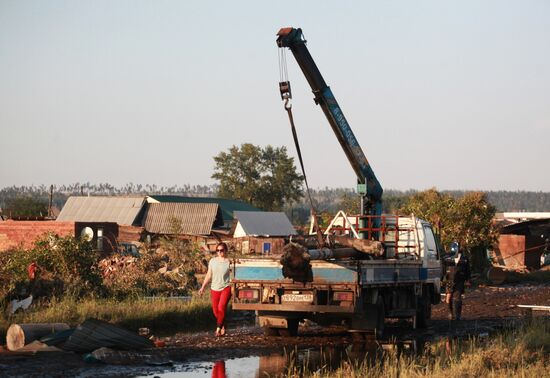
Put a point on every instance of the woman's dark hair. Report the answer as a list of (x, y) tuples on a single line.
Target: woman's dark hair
[(222, 244)]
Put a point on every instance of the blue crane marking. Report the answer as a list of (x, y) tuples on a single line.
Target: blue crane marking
[(346, 131)]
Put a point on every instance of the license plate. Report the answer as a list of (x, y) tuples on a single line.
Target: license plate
[(297, 298)]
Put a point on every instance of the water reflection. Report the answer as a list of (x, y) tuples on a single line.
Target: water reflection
[(218, 371), (297, 361), (329, 358)]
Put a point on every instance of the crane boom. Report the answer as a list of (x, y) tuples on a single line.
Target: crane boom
[(293, 39)]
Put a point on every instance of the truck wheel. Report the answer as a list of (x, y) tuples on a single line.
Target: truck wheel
[(381, 316), (423, 312), (291, 330), (268, 331)]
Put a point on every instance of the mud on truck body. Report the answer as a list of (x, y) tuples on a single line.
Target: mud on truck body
[(358, 292)]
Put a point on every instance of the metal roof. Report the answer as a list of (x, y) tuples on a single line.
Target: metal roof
[(265, 223), (121, 210), (227, 206), (185, 218)]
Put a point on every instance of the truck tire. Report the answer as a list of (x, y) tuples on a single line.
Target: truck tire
[(380, 322), (269, 331), (423, 311), (291, 330)]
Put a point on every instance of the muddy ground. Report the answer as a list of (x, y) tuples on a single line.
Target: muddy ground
[(486, 310)]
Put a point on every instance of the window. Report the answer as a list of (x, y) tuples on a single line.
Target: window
[(430, 246)]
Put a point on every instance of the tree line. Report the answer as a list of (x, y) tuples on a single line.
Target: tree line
[(265, 177), (36, 197)]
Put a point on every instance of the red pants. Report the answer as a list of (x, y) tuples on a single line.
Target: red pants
[(219, 304), (219, 370)]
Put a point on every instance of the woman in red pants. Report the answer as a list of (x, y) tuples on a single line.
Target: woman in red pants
[(220, 291)]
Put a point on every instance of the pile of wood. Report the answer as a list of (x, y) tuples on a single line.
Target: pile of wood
[(115, 264)]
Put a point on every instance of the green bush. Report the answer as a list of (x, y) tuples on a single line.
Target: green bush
[(70, 267), (66, 266)]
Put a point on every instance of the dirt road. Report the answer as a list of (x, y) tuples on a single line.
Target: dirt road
[(486, 309)]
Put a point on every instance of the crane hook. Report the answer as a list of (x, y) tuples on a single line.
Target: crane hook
[(288, 105)]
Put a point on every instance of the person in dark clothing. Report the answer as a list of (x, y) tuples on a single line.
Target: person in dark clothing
[(457, 274)]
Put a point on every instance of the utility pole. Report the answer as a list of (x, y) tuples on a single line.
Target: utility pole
[(50, 204)]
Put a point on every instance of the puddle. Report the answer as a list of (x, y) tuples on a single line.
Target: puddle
[(289, 361)]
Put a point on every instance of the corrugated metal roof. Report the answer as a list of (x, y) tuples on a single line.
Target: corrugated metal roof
[(93, 334), (121, 210), (228, 206), (265, 223), (191, 218)]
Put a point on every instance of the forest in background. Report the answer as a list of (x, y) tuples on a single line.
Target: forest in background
[(327, 200)]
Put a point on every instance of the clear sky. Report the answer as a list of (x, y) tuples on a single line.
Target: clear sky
[(446, 94)]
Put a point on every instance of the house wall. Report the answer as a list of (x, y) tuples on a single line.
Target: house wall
[(250, 244), (24, 233), (239, 231), (129, 234)]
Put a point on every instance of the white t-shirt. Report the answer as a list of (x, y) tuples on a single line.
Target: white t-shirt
[(220, 273)]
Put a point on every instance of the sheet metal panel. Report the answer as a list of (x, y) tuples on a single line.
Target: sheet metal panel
[(371, 272), (186, 218), (120, 210)]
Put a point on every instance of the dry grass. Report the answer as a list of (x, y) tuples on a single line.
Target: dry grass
[(162, 316)]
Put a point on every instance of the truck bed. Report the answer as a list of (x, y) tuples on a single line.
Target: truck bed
[(362, 272)]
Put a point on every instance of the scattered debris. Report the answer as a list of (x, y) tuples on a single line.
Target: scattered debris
[(124, 357), (23, 304), (38, 346), (94, 334), (114, 264), (58, 338), (183, 298), (529, 309)]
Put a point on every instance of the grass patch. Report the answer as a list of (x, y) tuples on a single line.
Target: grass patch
[(521, 352), (162, 316)]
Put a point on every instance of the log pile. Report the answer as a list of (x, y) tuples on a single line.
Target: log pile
[(370, 247), (296, 263), (296, 259), (115, 264)]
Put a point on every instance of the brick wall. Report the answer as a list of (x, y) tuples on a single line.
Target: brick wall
[(130, 234), (24, 233)]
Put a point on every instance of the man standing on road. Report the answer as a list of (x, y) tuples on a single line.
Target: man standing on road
[(456, 276)]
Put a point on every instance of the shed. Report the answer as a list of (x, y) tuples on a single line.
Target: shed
[(261, 232), (262, 223), (522, 244)]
